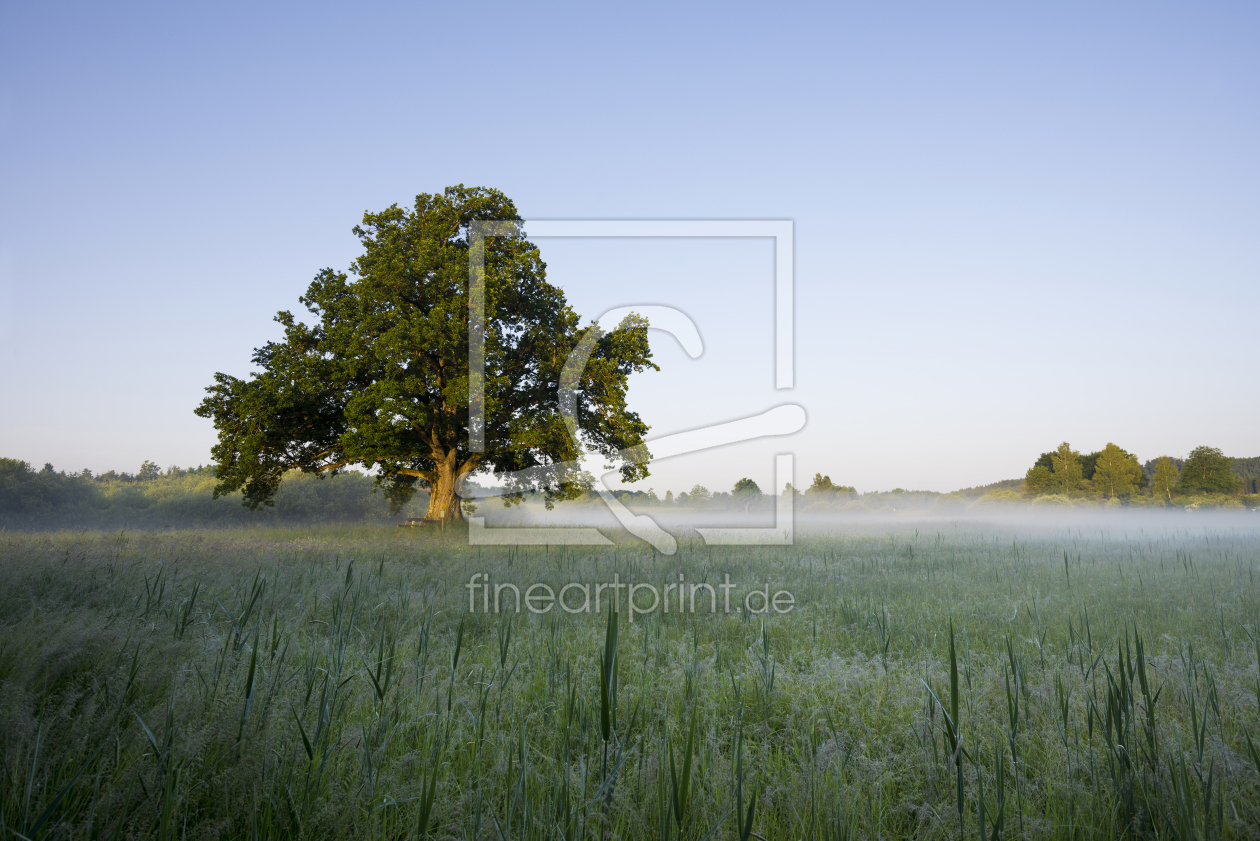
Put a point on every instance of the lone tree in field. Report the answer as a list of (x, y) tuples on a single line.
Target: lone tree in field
[(381, 379)]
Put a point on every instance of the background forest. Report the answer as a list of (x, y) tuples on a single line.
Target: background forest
[(156, 498), (179, 497)]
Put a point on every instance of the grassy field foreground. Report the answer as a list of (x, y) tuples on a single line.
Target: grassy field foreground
[(933, 680)]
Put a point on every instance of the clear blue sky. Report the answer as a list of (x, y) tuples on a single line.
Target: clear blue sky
[(1014, 225)]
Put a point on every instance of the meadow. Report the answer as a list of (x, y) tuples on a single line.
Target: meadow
[(1036, 678)]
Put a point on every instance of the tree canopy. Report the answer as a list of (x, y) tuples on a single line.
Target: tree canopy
[(698, 493), (1116, 473), (1207, 470), (1057, 472), (380, 379), (822, 486), (1068, 470), (746, 491), (1109, 473)]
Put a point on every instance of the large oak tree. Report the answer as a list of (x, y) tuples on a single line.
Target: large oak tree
[(380, 377)]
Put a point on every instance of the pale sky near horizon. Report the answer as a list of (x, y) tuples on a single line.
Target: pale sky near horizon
[(1014, 226)]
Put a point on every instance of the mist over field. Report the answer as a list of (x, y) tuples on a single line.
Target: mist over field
[(1012, 516)]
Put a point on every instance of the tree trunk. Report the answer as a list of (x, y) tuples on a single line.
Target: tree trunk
[(444, 501)]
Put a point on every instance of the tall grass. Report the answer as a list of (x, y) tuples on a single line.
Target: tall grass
[(932, 682)]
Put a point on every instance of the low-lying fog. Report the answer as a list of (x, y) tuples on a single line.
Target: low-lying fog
[(811, 519)]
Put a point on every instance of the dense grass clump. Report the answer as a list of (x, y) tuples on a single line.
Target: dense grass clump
[(932, 681)]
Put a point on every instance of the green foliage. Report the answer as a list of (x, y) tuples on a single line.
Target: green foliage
[(381, 380), (981, 490), (1110, 473), (1059, 472), (1089, 463), (28, 496), (1248, 471), (1116, 473), (1207, 471), (698, 495), (1039, 480), (1068, 472), (1149, 466), (822, 484), (746, 492), (177, 498), (1001, 496), (1164, 480), (823, 488)]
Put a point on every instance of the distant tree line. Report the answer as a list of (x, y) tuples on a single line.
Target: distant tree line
[(1114, 475), (153, 497), (176, 497), (1246, 469)]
